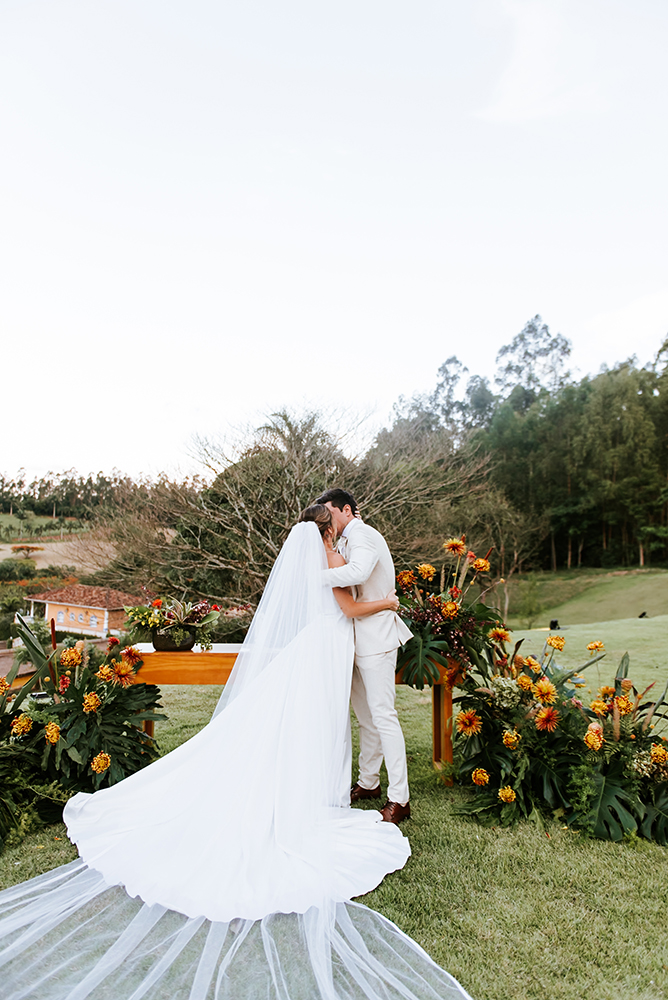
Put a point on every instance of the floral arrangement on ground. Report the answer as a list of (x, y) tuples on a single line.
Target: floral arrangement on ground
[(527, 744), (83, 730)]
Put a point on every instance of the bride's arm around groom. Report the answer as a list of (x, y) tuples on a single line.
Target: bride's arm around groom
[(370, 570)]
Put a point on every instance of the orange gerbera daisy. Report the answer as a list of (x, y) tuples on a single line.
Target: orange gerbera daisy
[(547, 719), (499, 634), (468, 723), (606, 691), (455, 546), (545, 691)]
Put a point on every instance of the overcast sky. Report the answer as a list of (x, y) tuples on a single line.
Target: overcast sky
[(215, 208)]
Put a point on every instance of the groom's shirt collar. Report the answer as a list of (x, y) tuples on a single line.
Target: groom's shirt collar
[(346, 530)]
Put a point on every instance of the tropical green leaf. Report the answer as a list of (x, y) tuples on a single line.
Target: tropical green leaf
[(612, 809), (655, 822)]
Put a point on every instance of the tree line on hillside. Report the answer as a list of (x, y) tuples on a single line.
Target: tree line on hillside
[(545, 470)]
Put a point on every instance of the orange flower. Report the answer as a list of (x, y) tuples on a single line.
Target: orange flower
[(406, 579), (52, 732), (480, 776), (511, 738), (481, 565), (468, 723), (599, 707), (455, 546), (658, 753), (499, 634), (123, 673), (449, 609), (105, 673), (626, 685), (624, 705), (506, 794), (157, 603), (131, 655), (595, 647), (545, 691), (524, 682), (547, 719), (70, 658), (21, 725), (606, 691), (426, 571), (532, 664), (556, 641), (100, 763), (91, 702), (593, 738), (4, 686)]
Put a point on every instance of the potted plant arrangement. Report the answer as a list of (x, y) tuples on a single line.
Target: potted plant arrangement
[(172, 625)]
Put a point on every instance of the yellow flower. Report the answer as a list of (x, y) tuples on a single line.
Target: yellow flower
[(455, 546), (595, 647), (599, 707), (449, 609), (100, 763), (481, 565), (606, 691), (70, 657), (506, 794), (658, 753), (4, 686), (624, 705), (593, 738), (468, 723), (545, 691), (426, 571), (123, 673), (406, 579), (91, 702), (547, 719), (480, 776), (511, 738), (105, 673), (52, 732), (524, 682), (499, 634), (21, 725), (532, 664), (556, 641)]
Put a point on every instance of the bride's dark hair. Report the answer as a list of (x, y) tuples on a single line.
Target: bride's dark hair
[(320, 514)]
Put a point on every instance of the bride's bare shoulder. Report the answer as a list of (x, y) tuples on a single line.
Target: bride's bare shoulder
[(334, 559)]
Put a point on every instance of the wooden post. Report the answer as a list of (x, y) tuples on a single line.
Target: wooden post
[(441, 709)]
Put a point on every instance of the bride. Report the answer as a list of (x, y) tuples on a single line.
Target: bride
[(226, 869)]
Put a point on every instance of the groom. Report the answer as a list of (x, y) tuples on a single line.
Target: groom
[(371, 571)]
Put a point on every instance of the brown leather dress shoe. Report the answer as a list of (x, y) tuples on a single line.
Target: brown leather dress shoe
[(357, 793), (392, 812)]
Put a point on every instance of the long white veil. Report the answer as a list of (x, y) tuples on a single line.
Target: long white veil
[(295, 597)]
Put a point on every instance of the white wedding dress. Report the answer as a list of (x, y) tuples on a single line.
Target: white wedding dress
[(226, 868)]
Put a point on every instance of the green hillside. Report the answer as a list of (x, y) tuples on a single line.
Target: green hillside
[(579, 597)]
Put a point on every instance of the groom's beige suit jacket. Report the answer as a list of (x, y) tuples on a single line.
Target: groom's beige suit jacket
[(370, 570)]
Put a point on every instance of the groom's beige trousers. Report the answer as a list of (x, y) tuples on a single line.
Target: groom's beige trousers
[(372, 697)]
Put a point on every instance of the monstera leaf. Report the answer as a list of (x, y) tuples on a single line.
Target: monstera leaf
[(655, 824), (612, 809), (418, 659)]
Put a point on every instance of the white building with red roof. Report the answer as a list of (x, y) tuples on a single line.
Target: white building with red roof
[(96, 611)]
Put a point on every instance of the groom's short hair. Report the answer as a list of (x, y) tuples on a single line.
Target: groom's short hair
[(338, 498)]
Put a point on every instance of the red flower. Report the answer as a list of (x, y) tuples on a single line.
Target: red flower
[(64, 684), (157, 603), (547, 719), (112, 642), (131, 655), (214, 607), (455, 592)]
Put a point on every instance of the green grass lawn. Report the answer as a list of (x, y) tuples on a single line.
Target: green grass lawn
[(524, 914), (576, 597)]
